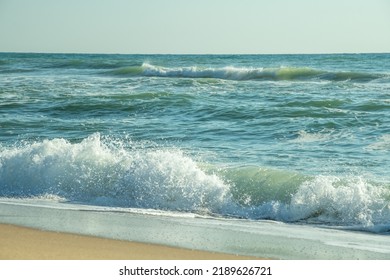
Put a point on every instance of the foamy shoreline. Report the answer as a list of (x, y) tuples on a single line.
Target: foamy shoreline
[(257, 239)]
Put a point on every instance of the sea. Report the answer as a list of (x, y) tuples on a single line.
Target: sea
[(295, 147)]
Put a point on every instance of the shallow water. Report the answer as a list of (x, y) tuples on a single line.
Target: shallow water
[(244, 237)]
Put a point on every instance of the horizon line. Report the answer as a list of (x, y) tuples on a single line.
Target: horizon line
[(193, 54)]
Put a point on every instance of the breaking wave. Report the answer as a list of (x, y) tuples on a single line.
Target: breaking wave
[(108, 172), (242, 74)]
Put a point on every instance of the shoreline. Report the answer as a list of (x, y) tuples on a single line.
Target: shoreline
[(53, 222), (24, 243)]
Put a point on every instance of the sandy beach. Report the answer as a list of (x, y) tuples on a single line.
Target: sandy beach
[(21, 243)]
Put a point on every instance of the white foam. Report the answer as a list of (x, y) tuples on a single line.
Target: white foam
[(228, 72), (346, 201), (94, 172), (383, 143), (231, 72), (308, 137)]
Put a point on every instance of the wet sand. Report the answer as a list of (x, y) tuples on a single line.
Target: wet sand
[(22, 243)]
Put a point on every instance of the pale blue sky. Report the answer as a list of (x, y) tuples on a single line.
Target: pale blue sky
[(195, 26)]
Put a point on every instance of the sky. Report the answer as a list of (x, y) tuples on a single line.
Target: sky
[(195, 26)]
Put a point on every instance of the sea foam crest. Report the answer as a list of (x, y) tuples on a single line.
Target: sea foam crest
[(228, 72), (350, 201), (95, 172), (252, 73), (344, 201)]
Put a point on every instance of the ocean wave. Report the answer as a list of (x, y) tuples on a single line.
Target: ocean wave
[(108, 172), (246, 73), (103, 173)]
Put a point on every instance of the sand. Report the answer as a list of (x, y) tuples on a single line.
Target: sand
[(21, 243)]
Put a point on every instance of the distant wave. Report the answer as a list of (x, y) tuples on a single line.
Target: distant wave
[(125, 68), (244, 73), (99, 171)]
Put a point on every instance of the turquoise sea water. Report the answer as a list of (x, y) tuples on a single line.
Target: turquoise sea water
[(301, 139)]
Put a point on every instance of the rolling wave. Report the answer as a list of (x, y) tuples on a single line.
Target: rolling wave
[(100, 171), (244, 74)]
